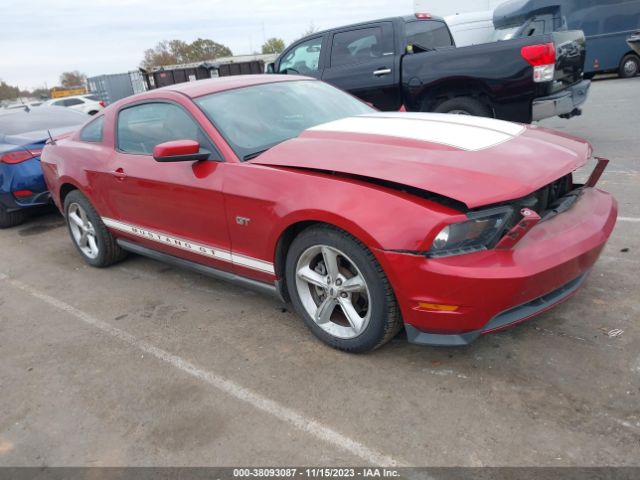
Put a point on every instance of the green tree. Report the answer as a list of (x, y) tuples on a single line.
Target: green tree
[(273, 45), (178, 51), (205, 49), (72, 79)]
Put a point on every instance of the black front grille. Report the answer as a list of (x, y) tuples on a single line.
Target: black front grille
[(548, 201), (542, 200)]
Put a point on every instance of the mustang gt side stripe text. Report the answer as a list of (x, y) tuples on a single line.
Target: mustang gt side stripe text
[(190, 246)]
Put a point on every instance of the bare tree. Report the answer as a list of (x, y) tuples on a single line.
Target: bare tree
[(311, 29), (72, 79)]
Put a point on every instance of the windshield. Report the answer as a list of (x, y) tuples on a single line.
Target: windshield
[(254, 119), (41, 118)]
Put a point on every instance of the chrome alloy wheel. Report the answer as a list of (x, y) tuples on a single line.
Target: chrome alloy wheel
[(333, 291), (459, 112), (82, 229)]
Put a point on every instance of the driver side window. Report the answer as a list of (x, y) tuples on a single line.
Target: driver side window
[(304, 58), (142, 127)]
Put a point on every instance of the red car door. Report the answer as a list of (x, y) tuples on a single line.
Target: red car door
[(174, 207)]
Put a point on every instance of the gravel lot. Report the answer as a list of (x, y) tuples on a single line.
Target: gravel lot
[(145, 364)]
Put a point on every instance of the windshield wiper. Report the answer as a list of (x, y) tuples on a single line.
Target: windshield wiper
[(254, 154)]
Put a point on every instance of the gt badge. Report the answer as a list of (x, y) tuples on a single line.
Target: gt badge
[(244, 221)]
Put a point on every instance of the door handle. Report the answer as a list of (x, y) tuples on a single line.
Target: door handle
[(119, 174), (382, 71)]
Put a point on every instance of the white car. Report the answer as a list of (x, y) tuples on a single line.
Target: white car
[(21, 105), (90, 104)]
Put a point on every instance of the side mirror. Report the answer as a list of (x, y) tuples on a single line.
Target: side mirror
[(271, 67), (180, 151)]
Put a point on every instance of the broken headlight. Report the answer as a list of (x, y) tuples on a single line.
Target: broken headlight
[(480, 232)]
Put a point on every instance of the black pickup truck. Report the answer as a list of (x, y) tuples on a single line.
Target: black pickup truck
[(413, 61)]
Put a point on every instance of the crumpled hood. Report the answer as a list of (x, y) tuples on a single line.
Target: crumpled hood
[(476, 161)]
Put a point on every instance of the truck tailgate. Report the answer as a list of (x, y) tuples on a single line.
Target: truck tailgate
[(570, 56)]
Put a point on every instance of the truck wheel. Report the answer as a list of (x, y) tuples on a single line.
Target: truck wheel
[(89, 234), (11, 219), (464, 106), (629, 66), (337, 286)]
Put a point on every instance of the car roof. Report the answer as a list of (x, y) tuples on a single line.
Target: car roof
[(220, 84)]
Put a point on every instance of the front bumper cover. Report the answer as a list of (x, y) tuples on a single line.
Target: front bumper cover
[(496, 288), (502, 320)]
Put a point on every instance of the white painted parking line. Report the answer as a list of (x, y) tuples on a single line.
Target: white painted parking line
[(628, 219), (271, 407)]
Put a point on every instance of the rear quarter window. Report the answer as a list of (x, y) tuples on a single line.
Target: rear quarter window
[(92, 132), (428, 34)]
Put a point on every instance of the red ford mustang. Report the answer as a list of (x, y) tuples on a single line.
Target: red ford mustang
[(451, 225)]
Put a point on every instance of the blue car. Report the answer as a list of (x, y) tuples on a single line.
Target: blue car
[(23, 133)]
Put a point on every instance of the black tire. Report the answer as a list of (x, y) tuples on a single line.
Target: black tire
[(11, 219), (468, 105), (385, 319), (109, 252), (589, 76), (629, 66)]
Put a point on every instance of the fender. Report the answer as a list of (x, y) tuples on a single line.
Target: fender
[(274, 199)]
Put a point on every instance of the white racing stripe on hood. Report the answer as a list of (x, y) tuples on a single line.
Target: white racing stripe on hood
[(459, 131)]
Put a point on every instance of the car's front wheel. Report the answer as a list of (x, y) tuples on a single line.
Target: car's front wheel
[(88, 233), (339, 289)]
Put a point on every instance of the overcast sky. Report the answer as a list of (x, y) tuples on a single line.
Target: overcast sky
[(39, 39)]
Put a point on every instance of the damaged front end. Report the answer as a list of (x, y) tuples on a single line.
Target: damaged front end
[(502, 226)]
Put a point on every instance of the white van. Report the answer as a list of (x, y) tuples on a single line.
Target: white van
[(471, 28)]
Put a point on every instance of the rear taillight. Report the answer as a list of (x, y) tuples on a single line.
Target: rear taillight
[(101, 103), (19, 156), (542, 58)]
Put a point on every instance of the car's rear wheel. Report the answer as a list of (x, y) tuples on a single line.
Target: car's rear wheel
[(11, 219), (629, 66), (464, 106), (88, 233), (339, 289)]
